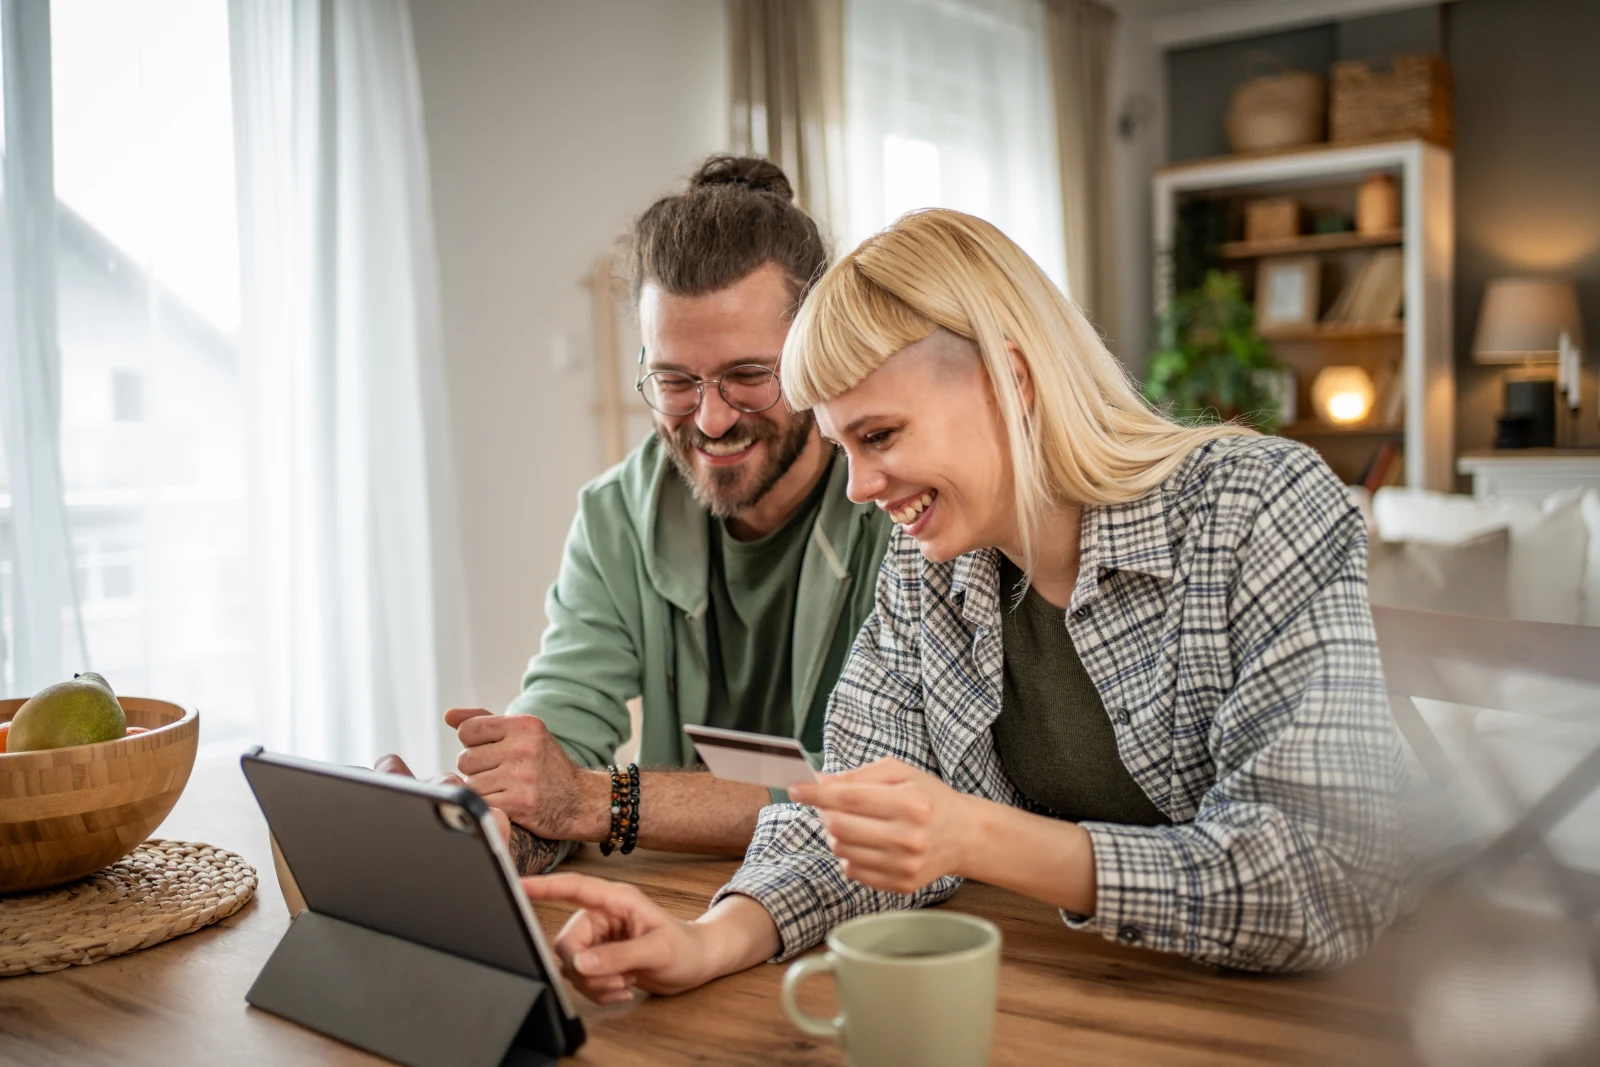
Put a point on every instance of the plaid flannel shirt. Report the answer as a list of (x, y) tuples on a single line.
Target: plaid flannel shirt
[(1224, 621)]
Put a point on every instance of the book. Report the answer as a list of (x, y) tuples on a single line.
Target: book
[(1392, 398), (1374, 292), (1386, 290), (1382, 468), (1341, 303), (1397, 468)]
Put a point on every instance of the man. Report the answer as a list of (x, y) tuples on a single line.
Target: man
[(719, 572)]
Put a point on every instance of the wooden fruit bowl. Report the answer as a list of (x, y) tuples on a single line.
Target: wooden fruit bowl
[(67, 812)]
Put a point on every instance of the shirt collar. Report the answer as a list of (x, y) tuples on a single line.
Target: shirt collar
[(1128, 537), (1114, 537)]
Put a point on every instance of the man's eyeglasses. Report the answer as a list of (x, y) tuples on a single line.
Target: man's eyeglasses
[(749, 387)]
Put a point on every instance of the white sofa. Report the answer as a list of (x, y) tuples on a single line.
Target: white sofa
[(1513, 558), (1518, 560)]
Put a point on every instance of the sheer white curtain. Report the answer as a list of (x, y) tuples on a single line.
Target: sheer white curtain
[(129, 300), (948, 103), (41, 641), (353, 526)]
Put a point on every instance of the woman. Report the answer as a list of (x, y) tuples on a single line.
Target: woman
[(1118, 664)]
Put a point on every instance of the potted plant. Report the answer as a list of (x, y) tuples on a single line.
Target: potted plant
[(1212, 364)]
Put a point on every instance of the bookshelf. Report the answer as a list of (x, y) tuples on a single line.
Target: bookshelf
[(1310, 242), (1311, 428), (1412, 354), (1333, 331)]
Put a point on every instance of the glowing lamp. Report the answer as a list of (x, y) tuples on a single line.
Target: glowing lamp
[(1342, 396)]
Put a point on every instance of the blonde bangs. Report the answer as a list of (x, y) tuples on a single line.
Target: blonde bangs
[(1089, 437), (844, 331)]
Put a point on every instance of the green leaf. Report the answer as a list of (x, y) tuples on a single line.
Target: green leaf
[(1209, 352)]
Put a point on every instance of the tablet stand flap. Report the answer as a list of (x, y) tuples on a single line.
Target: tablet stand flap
[(404, 1001)]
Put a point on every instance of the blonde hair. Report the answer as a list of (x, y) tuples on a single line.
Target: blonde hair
[(1090, 437)]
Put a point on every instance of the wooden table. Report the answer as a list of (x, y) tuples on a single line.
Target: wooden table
[(1064, 996)]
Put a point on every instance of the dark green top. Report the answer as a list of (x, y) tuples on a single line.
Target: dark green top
[(753, 588), (1053, 735)]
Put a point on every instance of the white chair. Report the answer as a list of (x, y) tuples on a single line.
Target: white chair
[(1545, 675)]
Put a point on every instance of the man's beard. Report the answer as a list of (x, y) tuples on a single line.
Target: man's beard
[(724, 491)]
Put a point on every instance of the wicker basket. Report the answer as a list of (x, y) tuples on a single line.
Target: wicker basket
[(1279, 110), (1413, 98), (1277, 219)]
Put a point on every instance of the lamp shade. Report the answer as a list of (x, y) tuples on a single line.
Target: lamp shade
[(1523, 319)]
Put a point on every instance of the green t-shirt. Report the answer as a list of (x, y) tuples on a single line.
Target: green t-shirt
[(750, 628), (1053, 736)]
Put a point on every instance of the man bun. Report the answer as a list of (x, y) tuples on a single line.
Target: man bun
[(757, 175), (737, 215)]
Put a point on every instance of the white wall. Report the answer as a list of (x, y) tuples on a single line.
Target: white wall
[(550, 124)]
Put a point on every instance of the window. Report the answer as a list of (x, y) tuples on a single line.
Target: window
[(127, 396), (8, 557), (147, 295), (949, 104)]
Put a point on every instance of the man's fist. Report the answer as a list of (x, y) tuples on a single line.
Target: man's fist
[(515, 765)]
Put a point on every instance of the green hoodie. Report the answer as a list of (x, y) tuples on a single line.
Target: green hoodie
[(627, 612)]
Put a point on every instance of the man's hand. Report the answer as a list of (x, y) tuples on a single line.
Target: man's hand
[(619, 939), (896, 828), (514, 764)]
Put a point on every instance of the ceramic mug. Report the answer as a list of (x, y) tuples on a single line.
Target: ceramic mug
[(914, 987)]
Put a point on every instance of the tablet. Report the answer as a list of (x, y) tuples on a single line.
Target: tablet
[(759, 759), (414, 860)]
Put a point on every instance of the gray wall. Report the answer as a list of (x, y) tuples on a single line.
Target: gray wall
[(1200, 80), (1527, 175), (1527, 151)]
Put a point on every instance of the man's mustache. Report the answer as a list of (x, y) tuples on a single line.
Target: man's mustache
[(741, 434)]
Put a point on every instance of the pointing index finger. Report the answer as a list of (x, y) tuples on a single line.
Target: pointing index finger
[(579, 889)]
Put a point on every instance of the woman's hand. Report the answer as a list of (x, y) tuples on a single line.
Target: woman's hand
[(619, 939), (896, 828)]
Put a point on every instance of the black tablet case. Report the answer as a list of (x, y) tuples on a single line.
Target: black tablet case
[(412, 946)]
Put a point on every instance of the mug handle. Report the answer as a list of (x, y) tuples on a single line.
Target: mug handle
[(798, 973)]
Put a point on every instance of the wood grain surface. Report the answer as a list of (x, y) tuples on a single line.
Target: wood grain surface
[(1065, 997)]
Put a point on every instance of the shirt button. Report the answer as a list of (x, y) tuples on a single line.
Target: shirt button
[(1082, 613), (1130, 935), (1122, 717)]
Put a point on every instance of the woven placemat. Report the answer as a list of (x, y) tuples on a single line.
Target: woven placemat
[(160, 890)]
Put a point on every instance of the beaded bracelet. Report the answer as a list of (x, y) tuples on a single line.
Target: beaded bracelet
[(630, 835), (614, 838), (624, 810)]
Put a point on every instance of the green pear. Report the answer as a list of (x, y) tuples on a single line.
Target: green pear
[(97, 679), (83, 711)]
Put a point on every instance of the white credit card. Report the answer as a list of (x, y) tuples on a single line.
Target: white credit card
[(759, 759)]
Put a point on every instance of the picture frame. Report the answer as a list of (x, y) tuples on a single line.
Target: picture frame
[(1287, 292)]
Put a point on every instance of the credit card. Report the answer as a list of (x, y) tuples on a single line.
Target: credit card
[(759, 759)]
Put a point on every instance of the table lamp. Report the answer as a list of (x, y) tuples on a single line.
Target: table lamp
[(1526, 321), (1342, 396)]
